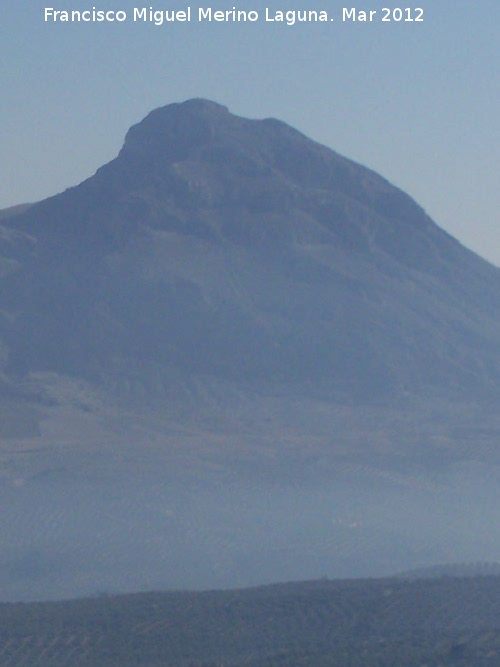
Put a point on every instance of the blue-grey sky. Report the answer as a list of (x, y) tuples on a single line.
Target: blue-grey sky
[(416, 101)]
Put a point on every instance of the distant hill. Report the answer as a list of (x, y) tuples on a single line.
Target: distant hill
[(454, 570), (322, 623)]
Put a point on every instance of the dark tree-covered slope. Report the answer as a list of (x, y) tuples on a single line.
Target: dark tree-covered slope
[(355, 623)]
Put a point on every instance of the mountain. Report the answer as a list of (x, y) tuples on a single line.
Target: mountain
[(242, 250), (228, 303)]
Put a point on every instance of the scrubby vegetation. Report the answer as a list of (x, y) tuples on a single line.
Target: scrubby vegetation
[(357, 623)]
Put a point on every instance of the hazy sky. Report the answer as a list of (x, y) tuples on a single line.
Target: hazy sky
[(416, 101)]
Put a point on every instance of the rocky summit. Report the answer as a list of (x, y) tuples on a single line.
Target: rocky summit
[(228, 299)]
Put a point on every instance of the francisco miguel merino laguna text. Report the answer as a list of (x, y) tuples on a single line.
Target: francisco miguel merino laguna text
[(159, 17)]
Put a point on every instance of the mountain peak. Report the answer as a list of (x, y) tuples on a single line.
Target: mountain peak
[(189, 110), (196, 105), (175, 128)]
